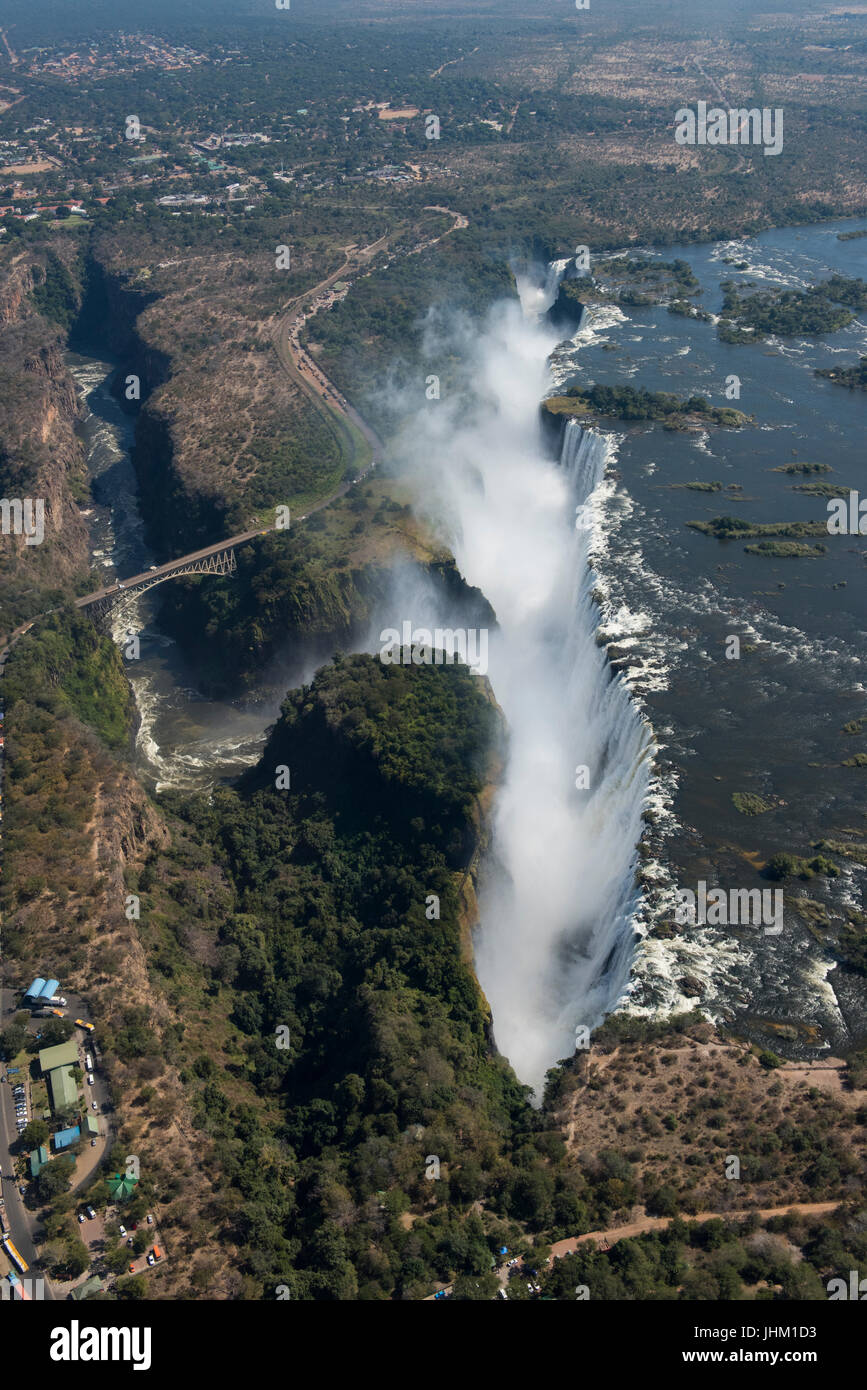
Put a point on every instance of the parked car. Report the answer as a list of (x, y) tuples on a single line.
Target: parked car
[(90, 1081), (132, 1267), (94, 1105), (81, 1217), (122, 1230), (91, 1213), (93, 1143), (150, 1220), (129, 1242), (151, 1259)]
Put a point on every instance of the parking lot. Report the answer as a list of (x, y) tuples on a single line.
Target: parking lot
[(21, 1102), (99, 1231)]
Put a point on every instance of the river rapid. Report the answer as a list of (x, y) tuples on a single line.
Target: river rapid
[(184, 740)]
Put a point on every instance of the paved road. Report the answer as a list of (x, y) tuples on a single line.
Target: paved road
[(22, 1223), (316, 391)]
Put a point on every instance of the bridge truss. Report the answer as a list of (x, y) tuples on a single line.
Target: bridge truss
[(218, 562)]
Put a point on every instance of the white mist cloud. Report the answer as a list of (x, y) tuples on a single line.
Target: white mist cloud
[(554, 942)]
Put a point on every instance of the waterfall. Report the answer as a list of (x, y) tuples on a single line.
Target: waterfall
[(557, 897), (537, 299), (556, 271), (583, 457), (556, 940)]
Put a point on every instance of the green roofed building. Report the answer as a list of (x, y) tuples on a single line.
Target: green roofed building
[(92, 1285), (63, 1055), (38, 1160), (62, 1088), (122, 1186), (92, 1125)]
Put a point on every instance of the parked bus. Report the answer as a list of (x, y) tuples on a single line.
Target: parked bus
[(18, 1260)]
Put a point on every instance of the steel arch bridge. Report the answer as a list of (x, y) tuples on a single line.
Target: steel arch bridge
[(98, 606)]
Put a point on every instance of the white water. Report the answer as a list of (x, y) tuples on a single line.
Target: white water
[(555, 939)]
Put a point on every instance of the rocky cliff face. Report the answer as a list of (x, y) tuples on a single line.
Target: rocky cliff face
[(41, 456), (566, 311)]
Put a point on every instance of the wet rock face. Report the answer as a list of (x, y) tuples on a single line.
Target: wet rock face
[(691, 987), (566, 311)]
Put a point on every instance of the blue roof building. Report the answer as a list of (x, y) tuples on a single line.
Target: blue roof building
[(64, 1137)]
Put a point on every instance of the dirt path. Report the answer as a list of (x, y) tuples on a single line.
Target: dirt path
[(656, 1223), (452, 61), (605, 1239)]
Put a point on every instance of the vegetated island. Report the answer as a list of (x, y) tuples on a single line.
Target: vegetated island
[(639, 280), (852, 236), (822, 308), (631, 403), (786, 550), (727, 528), (786, 865), (822, 489), (750, 804), (803, 468), (631, 282), (853, 377)]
